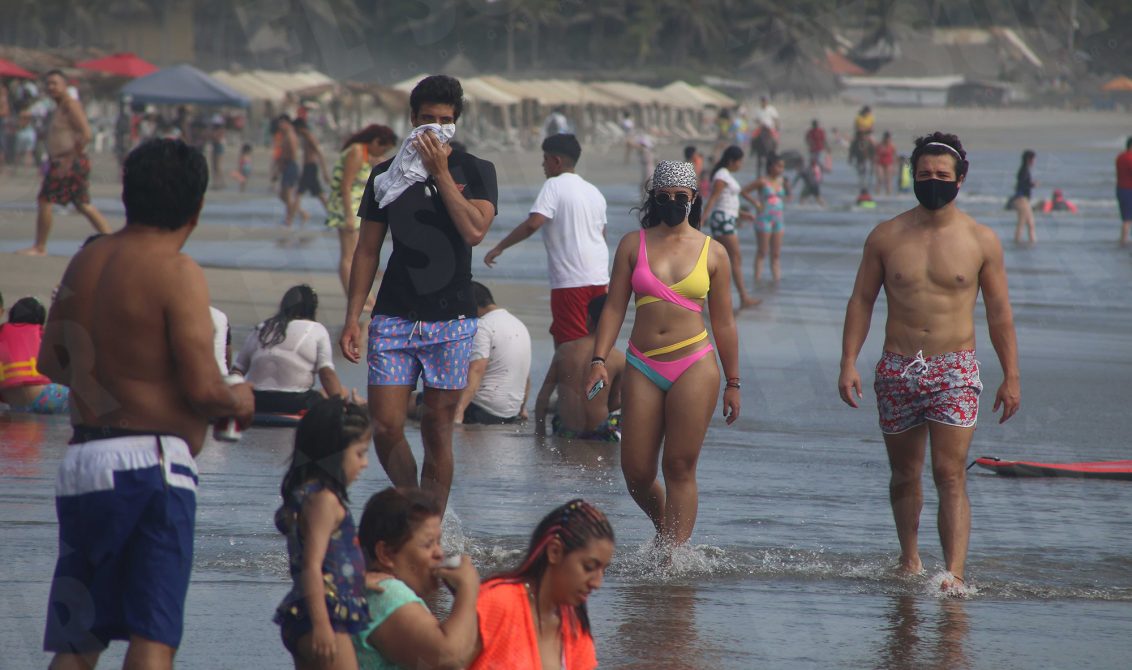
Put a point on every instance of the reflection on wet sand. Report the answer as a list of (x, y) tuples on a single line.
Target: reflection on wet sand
[(658, 629), (909, 646), (20, 437)]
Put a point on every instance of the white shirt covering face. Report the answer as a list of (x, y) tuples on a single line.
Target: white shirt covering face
[(505, 342), (767, 116), (728, 200), (291, 365), (576, 252)]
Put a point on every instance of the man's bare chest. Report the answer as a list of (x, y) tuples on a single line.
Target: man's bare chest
[(926, 264)]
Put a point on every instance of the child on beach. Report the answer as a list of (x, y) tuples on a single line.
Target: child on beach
[(22, 385), (811, 177), (535, 616), (327, 602), (400, 535), (243, 169)]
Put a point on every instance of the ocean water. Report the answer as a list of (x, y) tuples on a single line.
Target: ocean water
[(790, 564)]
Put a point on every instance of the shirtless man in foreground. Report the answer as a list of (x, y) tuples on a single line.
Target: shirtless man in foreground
[(68, 175), (131, 335), (932, 261), (575, 417)]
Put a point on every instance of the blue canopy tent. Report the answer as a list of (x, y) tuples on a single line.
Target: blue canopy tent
[(182, 85)]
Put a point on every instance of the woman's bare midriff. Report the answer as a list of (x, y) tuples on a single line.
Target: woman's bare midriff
[(660, 324)]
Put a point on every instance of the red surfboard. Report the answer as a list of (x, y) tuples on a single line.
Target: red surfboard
[(1090, 470)]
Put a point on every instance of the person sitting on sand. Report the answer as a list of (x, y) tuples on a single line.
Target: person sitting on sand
[(400, 537), (282, 356), (21, 384), (535, 616), (576, 418), (499, 371), (500, 367)]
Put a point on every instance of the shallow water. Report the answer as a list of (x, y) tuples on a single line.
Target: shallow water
[(791, 561)]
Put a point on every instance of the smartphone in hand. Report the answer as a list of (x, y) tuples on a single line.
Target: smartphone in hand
[(595, 389)]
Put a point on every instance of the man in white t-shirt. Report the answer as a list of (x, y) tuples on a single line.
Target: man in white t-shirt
[(766, 115), (499, 371), (571, 213)]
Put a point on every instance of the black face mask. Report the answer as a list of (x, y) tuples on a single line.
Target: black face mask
[(673, 212), (934, 194)]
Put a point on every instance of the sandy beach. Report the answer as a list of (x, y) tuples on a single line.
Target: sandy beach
[(790, 563)]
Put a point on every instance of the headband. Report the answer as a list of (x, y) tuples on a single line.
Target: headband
[(945, 146), (674, 173)]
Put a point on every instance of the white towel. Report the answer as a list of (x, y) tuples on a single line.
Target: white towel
[(407, 167)]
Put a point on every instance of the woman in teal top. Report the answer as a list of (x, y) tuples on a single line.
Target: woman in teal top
[(400, 537), (360, 153)]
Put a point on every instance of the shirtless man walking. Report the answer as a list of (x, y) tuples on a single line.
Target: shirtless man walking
[(130, 334), (68, 176), (288, 169), (932, 262)]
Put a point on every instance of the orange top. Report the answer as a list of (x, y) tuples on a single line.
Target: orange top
[(507, 629), (19, 346)]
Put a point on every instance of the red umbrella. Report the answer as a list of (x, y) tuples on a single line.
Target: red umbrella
[(122, 65), (10, 69)]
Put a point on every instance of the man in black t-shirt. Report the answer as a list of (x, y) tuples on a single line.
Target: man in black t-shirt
[(424, 322)]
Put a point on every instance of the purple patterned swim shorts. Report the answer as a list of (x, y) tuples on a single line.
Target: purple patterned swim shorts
[(402, 350), (912, 389)]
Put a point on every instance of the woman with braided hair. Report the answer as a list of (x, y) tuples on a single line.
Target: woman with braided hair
[(535, 616)]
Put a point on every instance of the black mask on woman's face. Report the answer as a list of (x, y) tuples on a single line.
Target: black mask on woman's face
[(674, 213), (935, 194), (671, 211)]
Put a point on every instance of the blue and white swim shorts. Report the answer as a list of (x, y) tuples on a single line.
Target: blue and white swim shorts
[(126, 506)]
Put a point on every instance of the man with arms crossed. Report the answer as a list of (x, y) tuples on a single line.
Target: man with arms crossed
[(424, 321), (130, 334), (570, 211), (68, 174), (932, 262)]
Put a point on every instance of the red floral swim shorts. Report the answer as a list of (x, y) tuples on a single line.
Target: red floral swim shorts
[(912, 389), (67, 181)]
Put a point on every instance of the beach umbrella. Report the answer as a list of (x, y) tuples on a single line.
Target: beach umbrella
[(182, 85), (1118, 84), (10, 69), (122, 65)]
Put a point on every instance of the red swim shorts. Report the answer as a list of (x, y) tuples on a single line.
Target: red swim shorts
[(912, 389), (568, 309)]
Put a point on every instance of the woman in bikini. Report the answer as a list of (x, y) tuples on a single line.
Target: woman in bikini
[(672, 385)]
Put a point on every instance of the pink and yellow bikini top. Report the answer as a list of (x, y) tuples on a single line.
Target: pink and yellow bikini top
[(692, 287)]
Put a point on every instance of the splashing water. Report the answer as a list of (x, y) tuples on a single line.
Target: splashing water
[(943, 584)]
